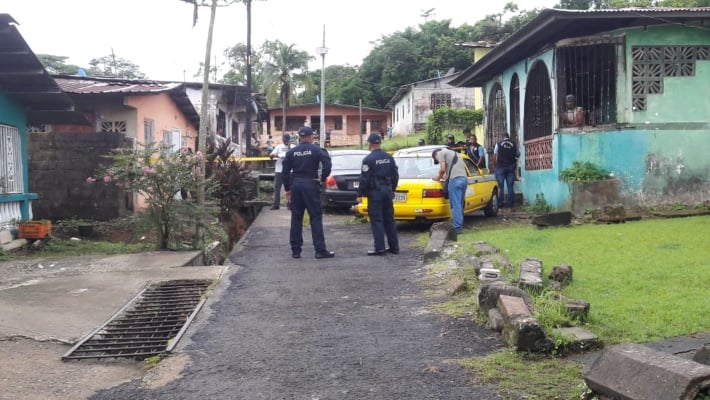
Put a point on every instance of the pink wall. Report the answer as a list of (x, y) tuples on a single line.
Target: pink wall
[(165, 115)]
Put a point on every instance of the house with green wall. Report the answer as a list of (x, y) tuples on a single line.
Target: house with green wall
[(640, 78), (29, 97)]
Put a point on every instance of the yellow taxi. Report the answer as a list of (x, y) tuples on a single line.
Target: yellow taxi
[(419, 197)]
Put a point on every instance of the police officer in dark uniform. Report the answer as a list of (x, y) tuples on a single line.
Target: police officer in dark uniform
[(303, 187), (378, 179)]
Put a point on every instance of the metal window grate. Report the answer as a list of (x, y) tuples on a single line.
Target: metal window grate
[(589, 73), (150, 324), (496, 114)]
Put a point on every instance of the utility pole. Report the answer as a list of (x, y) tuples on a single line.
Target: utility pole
[(249, 100), (322, 51), (360, 127)]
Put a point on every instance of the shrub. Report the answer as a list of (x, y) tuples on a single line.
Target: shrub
[(449, 119), (583, 171), (161, 175)]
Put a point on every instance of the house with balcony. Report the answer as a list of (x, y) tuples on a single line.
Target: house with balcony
[(639, 78)]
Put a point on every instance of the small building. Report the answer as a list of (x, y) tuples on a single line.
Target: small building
[(348, 125), (412, 103), (639, 79)]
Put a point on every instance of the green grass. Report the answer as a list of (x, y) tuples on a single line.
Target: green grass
[(519, 375), (645, 280), (63, 248)]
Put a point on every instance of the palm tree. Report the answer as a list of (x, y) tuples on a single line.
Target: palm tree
[(285, 74)]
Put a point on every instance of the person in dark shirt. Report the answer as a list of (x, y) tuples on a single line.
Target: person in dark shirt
[(505, 160), (303, 187), (378, 179)]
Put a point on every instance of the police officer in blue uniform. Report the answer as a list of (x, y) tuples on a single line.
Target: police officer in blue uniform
[(378, 179), (303, 187)]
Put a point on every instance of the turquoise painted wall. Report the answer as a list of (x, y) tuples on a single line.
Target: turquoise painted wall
[(684, 98), (660, 155), (11, 113)]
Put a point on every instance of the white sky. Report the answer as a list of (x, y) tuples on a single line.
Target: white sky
[(158, 36)]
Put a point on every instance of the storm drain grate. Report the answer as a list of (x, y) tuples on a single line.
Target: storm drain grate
[(150, 324)]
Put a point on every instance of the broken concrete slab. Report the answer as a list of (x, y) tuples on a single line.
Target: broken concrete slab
[(561, 218), (531, 273), (636, 372), (580, 338), (489, 292), (526, 334), (439, 233)]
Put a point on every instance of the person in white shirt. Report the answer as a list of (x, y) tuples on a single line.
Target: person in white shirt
[(279, 152)]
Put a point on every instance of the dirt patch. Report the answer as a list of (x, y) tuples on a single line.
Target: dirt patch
[(33, 370)]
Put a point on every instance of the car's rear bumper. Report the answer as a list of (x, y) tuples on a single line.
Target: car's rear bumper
[(338, 198)]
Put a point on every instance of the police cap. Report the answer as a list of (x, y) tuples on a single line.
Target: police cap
[(305, 131), (374, 138)]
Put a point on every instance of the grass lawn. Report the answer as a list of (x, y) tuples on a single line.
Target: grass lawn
[(645, 280)]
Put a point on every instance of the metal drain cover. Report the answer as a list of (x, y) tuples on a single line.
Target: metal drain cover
[(148, 325)]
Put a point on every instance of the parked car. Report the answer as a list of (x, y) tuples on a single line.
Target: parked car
[(340, 189), (419, 197)]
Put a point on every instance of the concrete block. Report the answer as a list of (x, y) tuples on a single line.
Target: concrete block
[(489, 292), (531, 273), (489, 274), (636, 372), (511, 307), (562, 218), (526, 334), (580, 338), (481, 248)]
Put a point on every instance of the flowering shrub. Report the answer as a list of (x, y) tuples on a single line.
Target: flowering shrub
[(166, 178)]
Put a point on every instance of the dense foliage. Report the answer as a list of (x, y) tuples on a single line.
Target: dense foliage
[(446, 119), (583, 171)]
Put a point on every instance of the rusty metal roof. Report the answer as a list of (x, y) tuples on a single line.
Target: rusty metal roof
[(89, 85), (99, 85), (552, 25), (23, 78)]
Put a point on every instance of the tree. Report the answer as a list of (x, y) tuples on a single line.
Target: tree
[(605, 4), (114, 67), (285, 74), (57, 64)]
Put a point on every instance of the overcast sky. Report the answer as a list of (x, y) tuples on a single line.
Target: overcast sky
[(158, 35)]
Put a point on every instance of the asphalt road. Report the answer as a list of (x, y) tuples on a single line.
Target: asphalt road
[(350, 327)]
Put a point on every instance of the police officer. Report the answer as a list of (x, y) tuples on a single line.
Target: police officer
[(378, 179), (505, 160), (303, 187)]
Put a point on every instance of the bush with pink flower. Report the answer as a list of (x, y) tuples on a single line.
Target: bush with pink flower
[(163, 177)]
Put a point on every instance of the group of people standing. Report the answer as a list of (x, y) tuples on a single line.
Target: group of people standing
[(503, 164), (302, 171)]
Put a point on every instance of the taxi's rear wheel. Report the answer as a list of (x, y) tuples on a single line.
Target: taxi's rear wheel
[(491, 209)]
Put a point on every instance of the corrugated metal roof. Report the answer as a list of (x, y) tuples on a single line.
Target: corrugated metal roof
[(23, 78), (552, 25), (84, 85)]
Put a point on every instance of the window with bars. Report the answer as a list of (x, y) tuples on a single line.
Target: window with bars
[(11, 179), (496, 114), (113, 126), (588, 72), (148, 131), (438, 100), (538, 103), (538, 119)]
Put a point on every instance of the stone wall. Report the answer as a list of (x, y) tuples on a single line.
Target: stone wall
[(59, 164)]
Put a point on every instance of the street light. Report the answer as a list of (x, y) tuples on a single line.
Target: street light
[(322, 51)]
